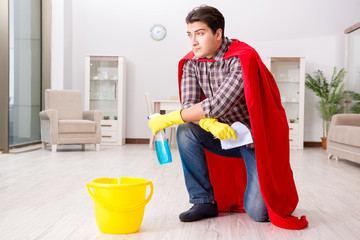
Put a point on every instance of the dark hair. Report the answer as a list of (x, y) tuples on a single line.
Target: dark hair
[(208, 15)]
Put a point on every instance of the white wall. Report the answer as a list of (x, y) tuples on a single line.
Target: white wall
[(57, 44), (68, 36), (312, 29)]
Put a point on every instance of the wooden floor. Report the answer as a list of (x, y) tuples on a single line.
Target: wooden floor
[(43, 196)]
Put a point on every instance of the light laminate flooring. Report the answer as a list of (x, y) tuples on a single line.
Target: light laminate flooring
[(43, 196)]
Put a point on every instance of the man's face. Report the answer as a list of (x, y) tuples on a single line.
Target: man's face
[(202, 40)]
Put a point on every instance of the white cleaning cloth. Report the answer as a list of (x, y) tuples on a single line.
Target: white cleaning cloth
[(243, 135)]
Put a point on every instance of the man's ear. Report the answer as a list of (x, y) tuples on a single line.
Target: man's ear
[(218, 34)]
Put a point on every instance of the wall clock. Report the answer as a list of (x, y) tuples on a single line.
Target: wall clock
[(158, 32)]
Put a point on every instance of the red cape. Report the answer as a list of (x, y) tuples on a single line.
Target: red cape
[(271, 138)]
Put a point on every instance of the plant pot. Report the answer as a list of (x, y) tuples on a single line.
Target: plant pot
[(323, 142)]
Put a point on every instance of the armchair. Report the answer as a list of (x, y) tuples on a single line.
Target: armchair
[(64, 122), (344, 137)]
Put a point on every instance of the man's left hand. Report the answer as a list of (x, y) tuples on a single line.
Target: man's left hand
[(220, 130)]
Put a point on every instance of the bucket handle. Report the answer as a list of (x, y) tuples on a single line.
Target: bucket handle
[(116, 209)]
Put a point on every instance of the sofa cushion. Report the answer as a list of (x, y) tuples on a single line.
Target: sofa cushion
[(76, 126), (349, 135)]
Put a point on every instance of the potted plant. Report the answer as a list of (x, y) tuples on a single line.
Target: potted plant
[(331, 96)]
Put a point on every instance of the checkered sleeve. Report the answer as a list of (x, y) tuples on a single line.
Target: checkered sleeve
[(228, 94), (190, 89)]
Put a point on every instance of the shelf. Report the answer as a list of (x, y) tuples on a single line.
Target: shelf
[(285, 59), (115, 80), (103, 100)]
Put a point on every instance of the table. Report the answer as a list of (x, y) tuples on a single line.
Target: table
[(167, 105)]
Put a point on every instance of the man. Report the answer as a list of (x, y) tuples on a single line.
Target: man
[(212, 97)]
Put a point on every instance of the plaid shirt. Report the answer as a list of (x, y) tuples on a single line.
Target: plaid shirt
[(221, 82)]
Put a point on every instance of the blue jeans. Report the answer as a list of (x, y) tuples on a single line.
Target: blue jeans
[(192, 141)]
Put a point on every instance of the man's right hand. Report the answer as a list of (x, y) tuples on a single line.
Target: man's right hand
[(164, 121), (220, 130)]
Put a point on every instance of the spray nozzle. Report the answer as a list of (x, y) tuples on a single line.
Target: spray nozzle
[(153, 115)]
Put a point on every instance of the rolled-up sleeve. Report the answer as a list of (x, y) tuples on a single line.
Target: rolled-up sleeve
[(228, 94), (190, 88)]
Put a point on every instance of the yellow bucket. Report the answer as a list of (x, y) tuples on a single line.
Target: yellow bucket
[(119, 203)]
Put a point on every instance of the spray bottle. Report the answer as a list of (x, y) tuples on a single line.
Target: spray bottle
[(161, 145)]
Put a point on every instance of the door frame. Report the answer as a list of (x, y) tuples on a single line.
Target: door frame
[(4, 76)]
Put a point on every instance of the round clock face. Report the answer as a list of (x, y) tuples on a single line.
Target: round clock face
[(158, 32)]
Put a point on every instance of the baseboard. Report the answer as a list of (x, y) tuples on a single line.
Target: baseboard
[(146, 141), (137, 141), (312, 144)]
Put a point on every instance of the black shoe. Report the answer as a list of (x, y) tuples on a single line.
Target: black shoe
[(199, 211)]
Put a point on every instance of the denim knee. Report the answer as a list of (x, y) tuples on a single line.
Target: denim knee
[(259, 217), (254, 205), (258, 214)]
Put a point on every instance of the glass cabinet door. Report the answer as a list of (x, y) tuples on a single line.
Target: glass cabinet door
[(287, 75), (103, 86)]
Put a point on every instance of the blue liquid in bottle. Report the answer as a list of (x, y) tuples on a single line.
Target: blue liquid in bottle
[(161, 145), (163, 152)]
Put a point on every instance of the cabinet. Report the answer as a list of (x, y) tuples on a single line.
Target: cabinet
[(105, 85), (289, 74)]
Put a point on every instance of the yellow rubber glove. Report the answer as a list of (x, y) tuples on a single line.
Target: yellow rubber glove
[(164, 121), (220, 130)]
